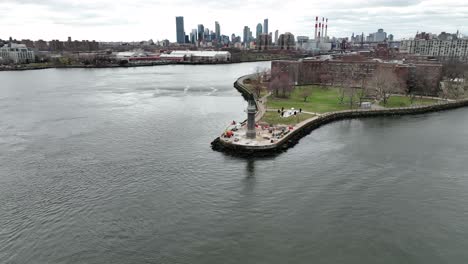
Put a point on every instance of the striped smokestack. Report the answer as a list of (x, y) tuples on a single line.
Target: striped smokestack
[(319, 27), (323, 25), (326, 28), (316, 21)]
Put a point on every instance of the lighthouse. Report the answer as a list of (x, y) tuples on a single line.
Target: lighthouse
[(251, 111)]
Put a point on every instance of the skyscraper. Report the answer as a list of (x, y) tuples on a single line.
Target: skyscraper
[(201, 31), (193, 36), (246, 35), (276, 37), (259, 31), (265, 26), (206, 35), (180, 30), (217, 31)]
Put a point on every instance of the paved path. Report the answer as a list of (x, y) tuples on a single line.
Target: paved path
[(306, 112), (261, 103)]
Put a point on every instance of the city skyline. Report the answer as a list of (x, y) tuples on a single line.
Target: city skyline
[(105, 20)]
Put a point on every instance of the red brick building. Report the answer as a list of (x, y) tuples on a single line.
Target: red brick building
[(422, 78)]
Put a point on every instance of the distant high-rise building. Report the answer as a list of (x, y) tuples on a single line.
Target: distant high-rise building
[(276, 37), (378, 36), (286, 41), (201, 31), (224, 40), (206, 34), (217, 31), (246, 35), (259, 31), (265, 26), (193, 36), (263, 41), (180, 30)]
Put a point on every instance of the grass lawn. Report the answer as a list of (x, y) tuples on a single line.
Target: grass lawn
[(404, 101), (275, 119), (320, 100)]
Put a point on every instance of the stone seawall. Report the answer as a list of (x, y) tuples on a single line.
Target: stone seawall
[(238, 84), (295, 135)]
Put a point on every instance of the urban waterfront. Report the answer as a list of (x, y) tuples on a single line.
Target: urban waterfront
[(115, 166)]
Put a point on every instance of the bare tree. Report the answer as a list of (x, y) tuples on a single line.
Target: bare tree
[(325, 80), (306, 92), (258, 82), (283, 79), (453, 89), (341, 94), (385, 82), (350, 93), (287, 84), (274, 85), (363, 91), (455, 79), (351, 78), (266, 73), (339, 79)]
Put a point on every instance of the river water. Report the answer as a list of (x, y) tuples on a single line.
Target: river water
[(115, 166)]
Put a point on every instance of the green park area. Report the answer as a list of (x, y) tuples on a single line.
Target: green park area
[(319, 100), (405, 101), (275, 118), (322, 100)]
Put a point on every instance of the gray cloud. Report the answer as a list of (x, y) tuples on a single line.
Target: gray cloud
[(144, 19)]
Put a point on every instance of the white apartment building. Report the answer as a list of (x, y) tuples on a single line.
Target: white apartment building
[(434, 47), (17, 53)]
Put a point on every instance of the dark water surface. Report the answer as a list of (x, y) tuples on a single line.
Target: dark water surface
[(115, 166)]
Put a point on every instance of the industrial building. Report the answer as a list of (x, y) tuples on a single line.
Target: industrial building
[(320, 42)]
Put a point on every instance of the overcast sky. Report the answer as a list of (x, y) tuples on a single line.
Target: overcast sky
[(119, 20)]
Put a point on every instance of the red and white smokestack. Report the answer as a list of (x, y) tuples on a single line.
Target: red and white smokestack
[(326, 28), (316, 21), (319, 27), (323, 25)]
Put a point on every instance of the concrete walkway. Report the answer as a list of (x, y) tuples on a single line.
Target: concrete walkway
[(306, 112)]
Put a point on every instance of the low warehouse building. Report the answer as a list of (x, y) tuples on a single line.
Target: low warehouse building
[(203, 56)]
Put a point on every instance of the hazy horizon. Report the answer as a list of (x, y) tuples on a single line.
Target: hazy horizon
[(116, 20)]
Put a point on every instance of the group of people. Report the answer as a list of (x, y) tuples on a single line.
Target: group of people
[(289, 112)]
